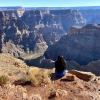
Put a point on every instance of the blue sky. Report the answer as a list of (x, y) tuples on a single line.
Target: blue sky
[(49, 3)]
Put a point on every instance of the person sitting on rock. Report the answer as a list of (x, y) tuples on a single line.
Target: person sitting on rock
[(60, 67)]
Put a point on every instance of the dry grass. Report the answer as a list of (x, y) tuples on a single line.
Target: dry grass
[(20, 73), (35, 76), (13, 67), (39, 76), (3, 80)]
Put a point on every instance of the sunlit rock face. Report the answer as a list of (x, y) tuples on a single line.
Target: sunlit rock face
[(17, 37), (81, 45), (69, 18)]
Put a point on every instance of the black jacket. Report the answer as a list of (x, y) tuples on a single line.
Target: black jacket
[(60, 64)]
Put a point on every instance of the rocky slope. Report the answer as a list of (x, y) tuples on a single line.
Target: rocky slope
[(81, 45), (74, 85), (26, 32), (12, 67)]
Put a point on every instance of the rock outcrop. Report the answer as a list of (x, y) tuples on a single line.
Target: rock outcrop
[(68, 77), (83, 75)]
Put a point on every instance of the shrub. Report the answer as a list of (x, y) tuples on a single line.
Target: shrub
[(38, 77), (3, 80), (34, 81)]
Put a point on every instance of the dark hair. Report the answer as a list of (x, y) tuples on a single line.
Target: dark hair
[(60, 64)]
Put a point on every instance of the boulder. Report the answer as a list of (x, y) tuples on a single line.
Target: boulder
[(86, 76), (68, 77)]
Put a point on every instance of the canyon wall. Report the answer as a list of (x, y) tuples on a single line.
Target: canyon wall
[(26, 32)]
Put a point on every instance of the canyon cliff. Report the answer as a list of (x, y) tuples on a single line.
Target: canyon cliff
[(26, 32), (81, 44)]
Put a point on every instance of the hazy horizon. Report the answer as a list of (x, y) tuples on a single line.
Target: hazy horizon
[(47, 3)]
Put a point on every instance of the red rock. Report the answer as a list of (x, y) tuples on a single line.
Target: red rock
[(86, 76)]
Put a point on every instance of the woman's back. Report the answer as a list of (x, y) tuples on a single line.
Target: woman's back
[(60, 64)]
